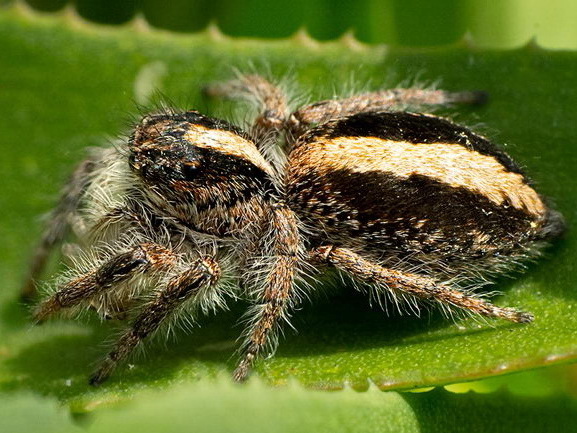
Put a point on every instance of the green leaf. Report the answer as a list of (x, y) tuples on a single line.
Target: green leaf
[(24, 413), (66, 85), (502, 24), (220, 406)]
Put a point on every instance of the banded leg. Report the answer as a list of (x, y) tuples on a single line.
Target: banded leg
[(57, 226), (278, 293), (412, 284), (324, 111), (179, 289), (141, 258), (255, 89)]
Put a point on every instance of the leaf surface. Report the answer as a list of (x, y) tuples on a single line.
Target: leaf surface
[(219, 406)]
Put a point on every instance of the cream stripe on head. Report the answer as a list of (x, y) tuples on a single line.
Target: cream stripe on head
[(449, 163), (228, 143)]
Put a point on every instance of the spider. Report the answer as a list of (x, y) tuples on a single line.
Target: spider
[(192, 210)]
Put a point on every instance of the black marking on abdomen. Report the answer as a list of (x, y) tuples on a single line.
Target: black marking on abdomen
[(409, 214)]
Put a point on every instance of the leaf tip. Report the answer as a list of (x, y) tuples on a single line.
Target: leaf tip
[(71, 17), (70, 13), (22, 8), (303, 38), (349, 40), (532, 45), (214, 32), (139, 23)]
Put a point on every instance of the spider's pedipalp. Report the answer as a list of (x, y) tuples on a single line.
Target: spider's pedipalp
[(140, 259)]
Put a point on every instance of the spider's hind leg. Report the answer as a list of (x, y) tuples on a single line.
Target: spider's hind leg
[(58, 225), (417, 286), (330, 109), (270, 100)]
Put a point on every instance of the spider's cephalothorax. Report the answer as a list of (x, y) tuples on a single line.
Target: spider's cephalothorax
[(189, 212)]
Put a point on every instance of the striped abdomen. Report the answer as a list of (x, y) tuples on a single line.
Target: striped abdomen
[(412, 185)]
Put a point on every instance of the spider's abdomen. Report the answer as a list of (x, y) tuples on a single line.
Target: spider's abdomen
[(414, 185)]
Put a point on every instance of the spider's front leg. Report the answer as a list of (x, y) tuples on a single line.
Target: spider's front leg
[(417, 286), (140, 259), (179, 289), (278, 293)]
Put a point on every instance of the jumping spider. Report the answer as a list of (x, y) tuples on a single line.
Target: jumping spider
[(410, 205)]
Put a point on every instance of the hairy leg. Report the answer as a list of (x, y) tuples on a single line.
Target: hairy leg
[(57, 226), (142, 258), (255, 89), (179, 289), (420, 287), (278, 292), (324, 111)]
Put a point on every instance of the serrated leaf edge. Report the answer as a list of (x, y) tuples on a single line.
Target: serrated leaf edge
[(69, 15)]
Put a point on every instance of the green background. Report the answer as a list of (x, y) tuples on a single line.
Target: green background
[(491, 23)]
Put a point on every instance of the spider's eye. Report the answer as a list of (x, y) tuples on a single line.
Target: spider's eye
[(190, 169)]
